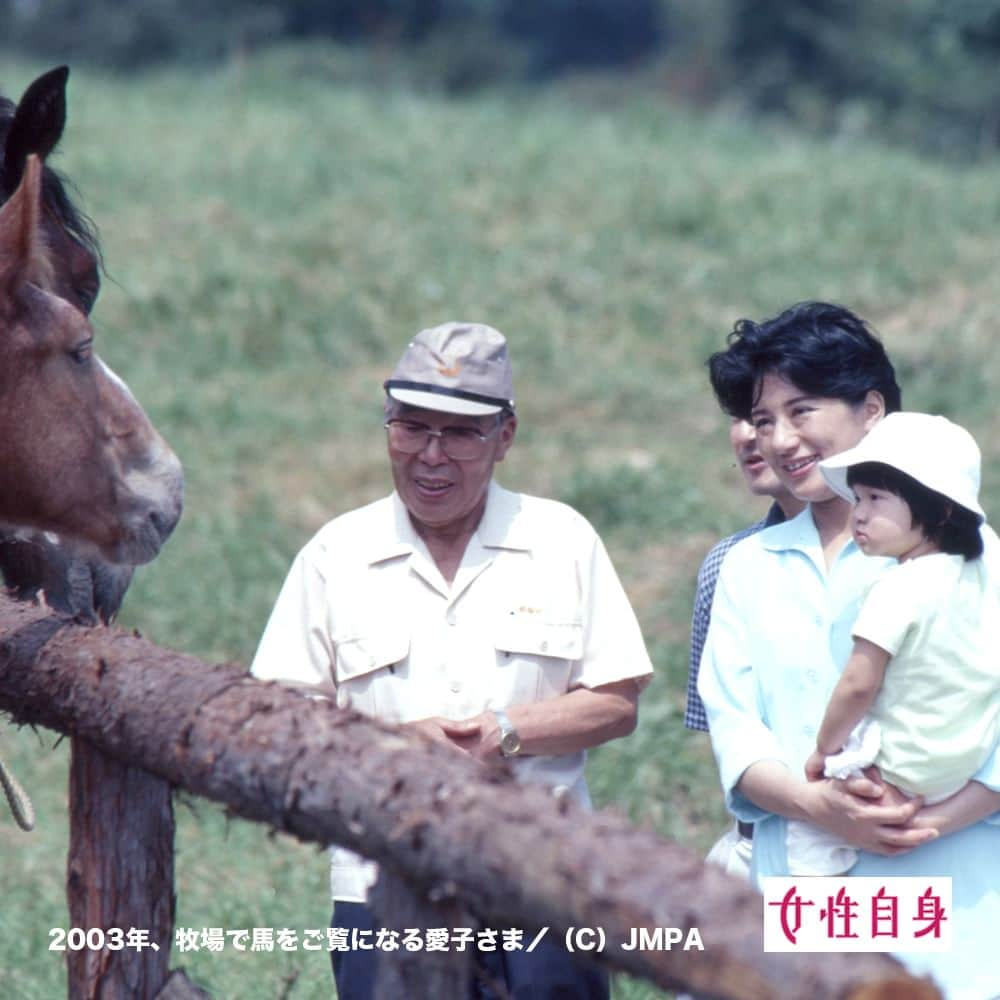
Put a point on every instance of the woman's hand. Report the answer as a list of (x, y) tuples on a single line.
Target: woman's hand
[(866, 812), (970, 804), (879, 820)]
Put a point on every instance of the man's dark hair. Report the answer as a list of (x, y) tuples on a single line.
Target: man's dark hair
[(823, 349), (950, 526)]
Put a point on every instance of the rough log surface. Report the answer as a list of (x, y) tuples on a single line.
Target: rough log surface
[(430, 974), (512, 855), (120, 873)]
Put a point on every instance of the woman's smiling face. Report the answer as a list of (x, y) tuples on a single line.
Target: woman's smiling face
[(796, 431)]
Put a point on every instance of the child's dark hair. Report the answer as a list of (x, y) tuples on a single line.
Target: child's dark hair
[(950, 526)]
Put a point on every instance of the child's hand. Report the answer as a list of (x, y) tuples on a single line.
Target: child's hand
[(814, 766)]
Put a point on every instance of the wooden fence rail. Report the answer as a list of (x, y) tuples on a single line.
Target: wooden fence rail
[(456, 836)]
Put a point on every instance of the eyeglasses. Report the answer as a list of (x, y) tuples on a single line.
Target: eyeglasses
[(462, 444)]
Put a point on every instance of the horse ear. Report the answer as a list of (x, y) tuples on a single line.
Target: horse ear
[(23, 256), (37, 126)]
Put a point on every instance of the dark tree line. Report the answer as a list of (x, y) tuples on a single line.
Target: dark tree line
[(559, 33), (927, 70)]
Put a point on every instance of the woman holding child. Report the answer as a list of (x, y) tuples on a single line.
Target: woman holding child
[(815, 381)]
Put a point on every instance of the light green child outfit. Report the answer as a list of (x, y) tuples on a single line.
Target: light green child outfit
[(936, 718), (939, 705)]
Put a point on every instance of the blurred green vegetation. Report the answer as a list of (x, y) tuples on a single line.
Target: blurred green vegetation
[(277, 227), (922, 72)]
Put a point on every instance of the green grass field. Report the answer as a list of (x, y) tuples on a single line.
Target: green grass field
[(275, 231)]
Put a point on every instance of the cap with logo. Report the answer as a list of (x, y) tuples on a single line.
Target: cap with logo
[(930, 449), (455, 368)]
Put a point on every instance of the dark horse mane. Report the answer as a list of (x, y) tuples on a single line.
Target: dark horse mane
[(31, 562)]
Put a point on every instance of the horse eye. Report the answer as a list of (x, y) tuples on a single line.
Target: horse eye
[(88, 296), (82, 353)]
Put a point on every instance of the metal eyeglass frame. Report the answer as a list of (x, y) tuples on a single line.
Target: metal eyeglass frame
[(429, 433)]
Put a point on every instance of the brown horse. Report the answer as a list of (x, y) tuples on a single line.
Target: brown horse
[(32, 562), (78, 456)]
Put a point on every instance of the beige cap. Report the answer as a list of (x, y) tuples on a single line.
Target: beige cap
[(456, 368)]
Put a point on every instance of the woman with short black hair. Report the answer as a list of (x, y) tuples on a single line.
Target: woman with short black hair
[(814, 381)]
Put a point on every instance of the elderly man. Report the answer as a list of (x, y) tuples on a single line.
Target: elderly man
[(488, 620)]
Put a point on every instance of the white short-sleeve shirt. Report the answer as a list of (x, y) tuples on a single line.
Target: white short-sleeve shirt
[(535, 610)]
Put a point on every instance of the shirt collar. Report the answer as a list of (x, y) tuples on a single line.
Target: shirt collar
[(395, 537), (501, 527), (798, 533)]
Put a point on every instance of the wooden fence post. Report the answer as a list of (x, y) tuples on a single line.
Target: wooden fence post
[(417, 975), (120, 875)]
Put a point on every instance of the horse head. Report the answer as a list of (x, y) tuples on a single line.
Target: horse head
[(34, 562), (124, 504), (78, 456)]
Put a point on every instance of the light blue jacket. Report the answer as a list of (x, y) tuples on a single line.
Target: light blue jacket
[(779, 637)]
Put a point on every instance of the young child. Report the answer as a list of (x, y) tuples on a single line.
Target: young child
[(920, 694)]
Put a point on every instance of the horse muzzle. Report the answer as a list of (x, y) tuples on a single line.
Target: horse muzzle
[(155, 503)]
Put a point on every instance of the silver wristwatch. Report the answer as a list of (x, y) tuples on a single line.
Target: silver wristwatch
[(510, 742)]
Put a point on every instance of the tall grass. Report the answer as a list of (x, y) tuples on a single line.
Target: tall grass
[(274, 233)]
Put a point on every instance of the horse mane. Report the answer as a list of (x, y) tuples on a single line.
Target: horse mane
[(55, 194)]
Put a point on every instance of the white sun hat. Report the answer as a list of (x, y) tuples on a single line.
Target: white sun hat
[(931, 449)]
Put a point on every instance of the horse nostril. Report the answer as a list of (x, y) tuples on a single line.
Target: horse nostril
[(160, 524), (163, 523)]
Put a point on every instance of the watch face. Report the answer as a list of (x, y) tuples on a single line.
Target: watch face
[(510, 743)]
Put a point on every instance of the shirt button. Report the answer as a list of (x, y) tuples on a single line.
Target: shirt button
[(343, 699), (544, 646), (456, 686)]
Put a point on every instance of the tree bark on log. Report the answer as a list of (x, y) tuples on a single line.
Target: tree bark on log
[(120, 873), (511, 854), (417, 975)]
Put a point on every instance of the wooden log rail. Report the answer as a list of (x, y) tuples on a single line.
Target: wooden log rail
[(459, 834)]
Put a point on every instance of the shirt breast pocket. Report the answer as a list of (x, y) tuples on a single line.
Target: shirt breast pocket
[(535, 657), (365, 672)]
